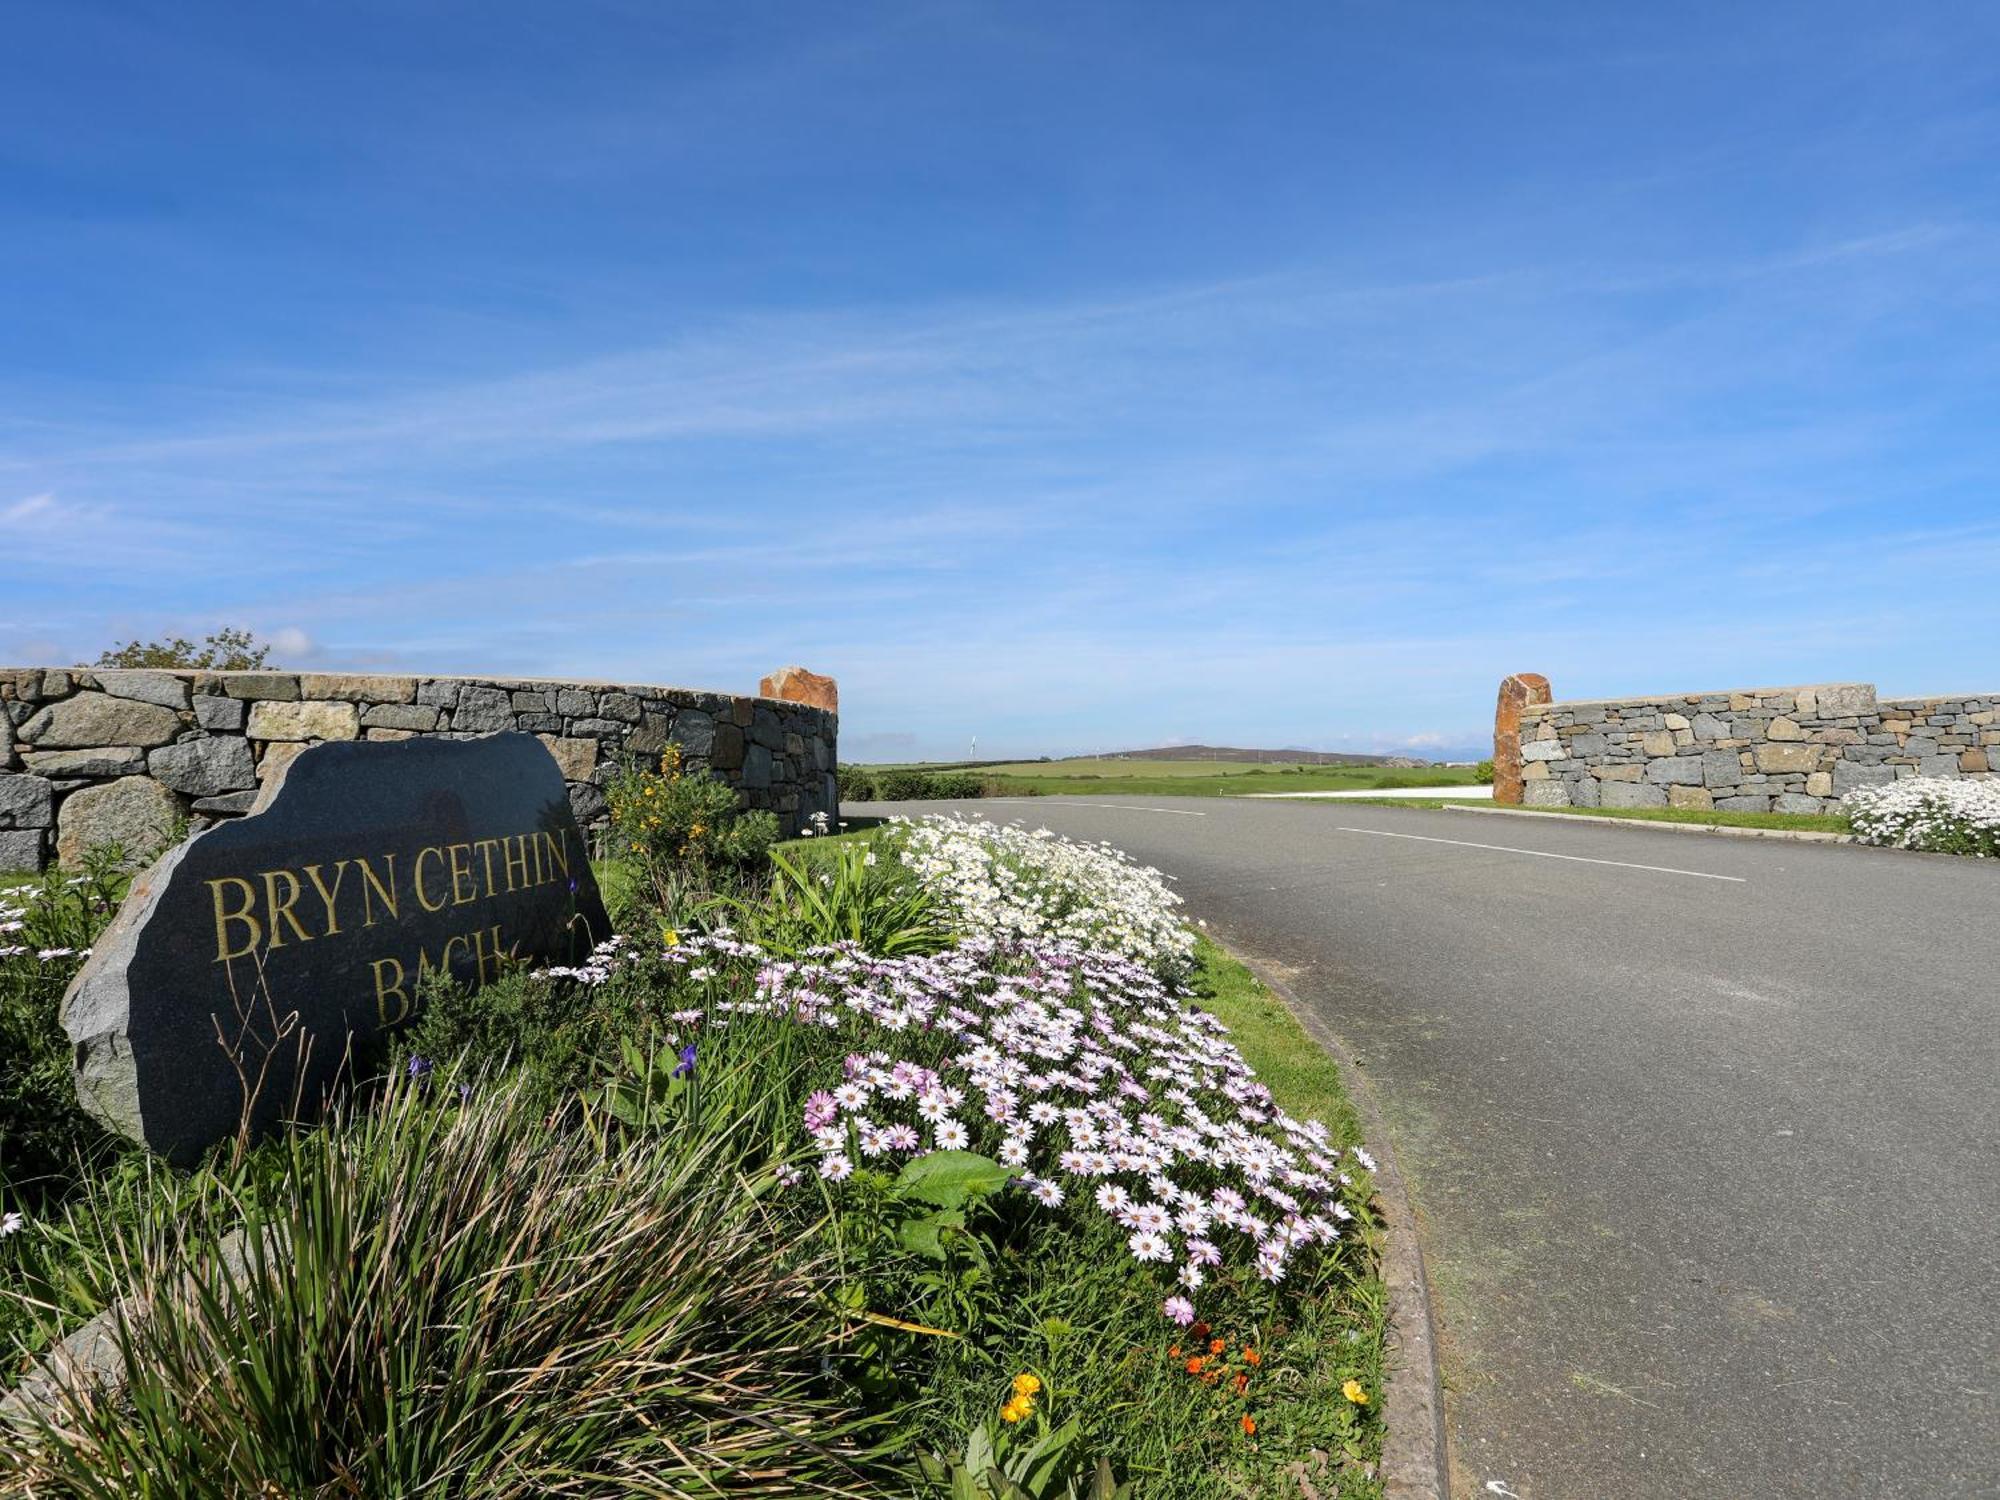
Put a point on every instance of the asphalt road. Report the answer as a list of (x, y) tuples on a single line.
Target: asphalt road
[(1704, 1133)]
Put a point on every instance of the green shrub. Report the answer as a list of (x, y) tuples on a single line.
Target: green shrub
[(675, 827), (1483, 773), (223, 650), (928, 786), (448, 1297), (855, 784)]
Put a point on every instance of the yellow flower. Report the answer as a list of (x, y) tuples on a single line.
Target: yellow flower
[(1353, 1392), (1016, 1409), (1027, 1385), (673, 940)]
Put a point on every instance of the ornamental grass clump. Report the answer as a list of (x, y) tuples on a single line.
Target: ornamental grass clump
[(1931, 814), (1007, 882), (445, 1295)]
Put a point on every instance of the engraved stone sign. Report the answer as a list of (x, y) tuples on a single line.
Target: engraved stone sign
[(247, 964)]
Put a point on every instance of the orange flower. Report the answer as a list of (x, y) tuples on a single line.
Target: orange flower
[(1216, 1346), (1194, 1365), (1252, 1357), (1209, 1377), (1173, 1351), (1242, 1384), (1249, 1426)]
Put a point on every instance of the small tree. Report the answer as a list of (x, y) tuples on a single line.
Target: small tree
[(223, 651)]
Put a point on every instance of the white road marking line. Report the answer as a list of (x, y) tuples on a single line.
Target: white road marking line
[(1623, 864), (1178, 812)]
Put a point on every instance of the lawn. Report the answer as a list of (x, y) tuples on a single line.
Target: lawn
[(1203, 778)]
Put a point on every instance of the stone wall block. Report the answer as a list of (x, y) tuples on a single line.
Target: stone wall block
[(652, 736), (26, 801), (116, 760), (627, 708), (205, 768), (219, 714), (358, 688), (576, 703), (163, 688), (482, 710), (23, 849), (587, 801), (1779, 757), (727, 752), (577, 758), (94, 719), (271, 687), (694, 732), (1744, 803), (1544, 794), (414, 717), (134, 811), (324, 720), (1679, 770), (438, 692)]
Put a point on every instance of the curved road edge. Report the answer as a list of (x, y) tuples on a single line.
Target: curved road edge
[(1416, 1463)]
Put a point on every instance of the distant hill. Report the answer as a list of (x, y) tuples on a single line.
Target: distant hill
[(1265, 757)]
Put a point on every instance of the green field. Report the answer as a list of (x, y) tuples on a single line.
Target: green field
[(1192, 778)]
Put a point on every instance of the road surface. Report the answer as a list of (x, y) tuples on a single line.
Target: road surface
[(1704, 1133)]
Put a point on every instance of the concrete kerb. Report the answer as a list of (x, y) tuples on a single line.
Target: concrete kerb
[(1416, 1461)]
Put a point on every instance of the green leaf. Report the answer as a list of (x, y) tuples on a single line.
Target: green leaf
[(948, 1178)]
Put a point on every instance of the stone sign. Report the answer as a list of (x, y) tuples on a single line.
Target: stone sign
[(248, 961)]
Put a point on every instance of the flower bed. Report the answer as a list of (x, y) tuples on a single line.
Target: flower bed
[(1029, 1197), (1931, 814)]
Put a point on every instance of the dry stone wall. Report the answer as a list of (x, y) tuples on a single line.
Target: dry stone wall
[(1793, 749), (92, 755)]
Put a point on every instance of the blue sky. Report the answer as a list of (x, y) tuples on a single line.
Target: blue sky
[(1069, 376)]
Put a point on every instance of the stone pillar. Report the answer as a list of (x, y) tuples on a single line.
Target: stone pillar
[(797, 685), (1522, 690)]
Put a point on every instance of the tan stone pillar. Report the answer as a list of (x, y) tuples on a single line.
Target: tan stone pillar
[(1522, 690)]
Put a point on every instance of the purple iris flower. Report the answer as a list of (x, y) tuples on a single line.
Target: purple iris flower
[(686, 1069), (420, 1067)]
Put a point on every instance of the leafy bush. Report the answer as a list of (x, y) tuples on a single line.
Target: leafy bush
[(223, 651), (855, 784), (927, 786), (1483, 773), (448, 1297), (1929, 813), (673, 824)]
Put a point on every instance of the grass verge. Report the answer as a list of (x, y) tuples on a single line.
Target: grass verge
[(1297, 1070), (1695, 816)]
